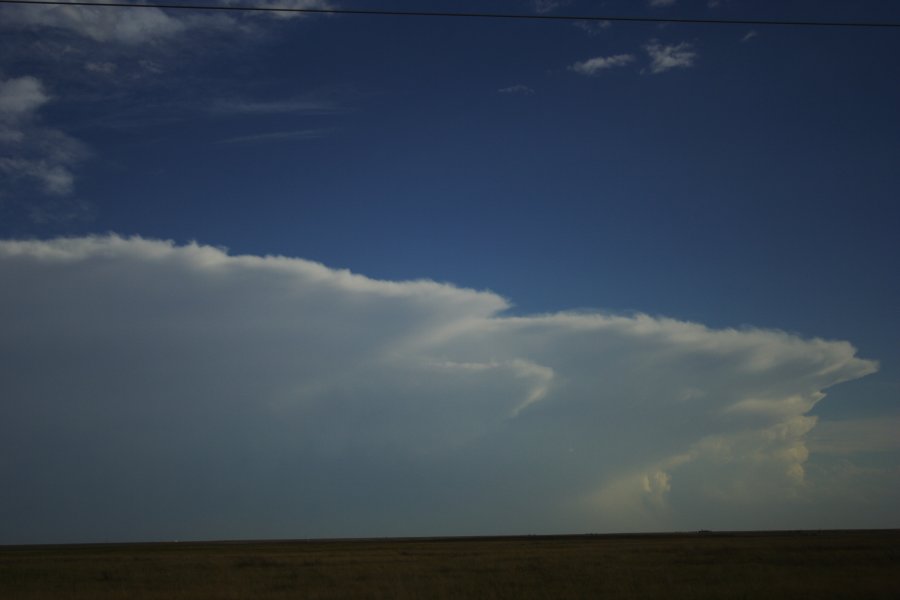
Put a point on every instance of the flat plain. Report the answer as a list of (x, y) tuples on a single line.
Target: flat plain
[(825, 564)]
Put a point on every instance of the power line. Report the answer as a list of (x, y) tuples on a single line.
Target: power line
[(473, 15)]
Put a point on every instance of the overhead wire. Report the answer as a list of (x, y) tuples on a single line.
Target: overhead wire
[(455, 14)]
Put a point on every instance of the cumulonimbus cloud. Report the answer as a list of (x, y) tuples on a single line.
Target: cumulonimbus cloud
[(153, 390)]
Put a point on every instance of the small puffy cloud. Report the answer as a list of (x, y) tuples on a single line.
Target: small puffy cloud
[(593, 27), (658, 3), (31, 151), (152, 391), (593, 66), (20, 97), (517, 89), (749, 36), (673, 56)]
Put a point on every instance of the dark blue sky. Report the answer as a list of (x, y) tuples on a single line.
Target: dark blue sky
[(735, 176)]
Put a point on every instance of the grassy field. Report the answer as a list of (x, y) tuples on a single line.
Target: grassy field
[(853, 564)]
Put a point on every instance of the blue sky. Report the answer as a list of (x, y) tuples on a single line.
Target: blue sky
[(726, 187)]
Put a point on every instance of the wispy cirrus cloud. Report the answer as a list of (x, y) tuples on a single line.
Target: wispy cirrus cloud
[(101, 24), (263, 107), (290, 4), (594, 66), (146, 25), (32, 151), (232, 382), (123, 50), (665, 57), (546, 6), (517, 89), (279, 136), (101, 67), (593, 27)]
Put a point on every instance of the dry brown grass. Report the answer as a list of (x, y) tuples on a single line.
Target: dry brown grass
[(773, 565)]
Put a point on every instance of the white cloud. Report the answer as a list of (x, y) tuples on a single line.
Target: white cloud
[(151, 66), (666, 57), (657, 3), (593, 27), (31, 151), (124, 25), (102, 68), (279, 136), (253, 107), (188, 390), (20, 97), (53, 178), (593, 66), (290, 4), (136, 26), (517, 89), (546, 6), (749, 36)]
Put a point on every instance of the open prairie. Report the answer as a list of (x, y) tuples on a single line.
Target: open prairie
[(828, 564)]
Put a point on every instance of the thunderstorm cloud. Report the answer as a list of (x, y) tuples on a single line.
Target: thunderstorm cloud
[(154, 391)]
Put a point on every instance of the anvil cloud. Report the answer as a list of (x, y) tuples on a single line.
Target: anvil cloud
[(153, 391)]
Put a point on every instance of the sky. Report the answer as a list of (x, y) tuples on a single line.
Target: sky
[(270, 275)]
